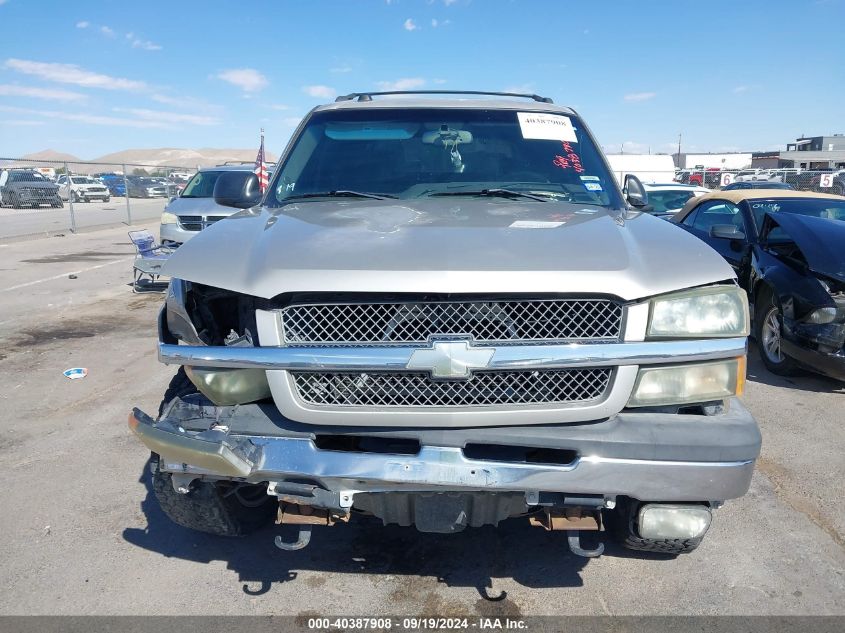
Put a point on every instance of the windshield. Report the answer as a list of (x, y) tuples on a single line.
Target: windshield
[(201, 185), (818, 208), (415, 153), (26, 176), (668, 201), (81, 180)]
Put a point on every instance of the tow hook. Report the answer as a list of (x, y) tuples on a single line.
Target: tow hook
[(302, 542), (306, 517), (573, 520)]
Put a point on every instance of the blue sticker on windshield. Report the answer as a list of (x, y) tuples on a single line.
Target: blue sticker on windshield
[(592, 186)]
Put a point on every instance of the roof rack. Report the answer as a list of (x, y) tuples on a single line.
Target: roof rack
[(368, 96)]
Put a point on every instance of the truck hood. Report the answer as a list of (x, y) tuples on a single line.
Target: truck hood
[(197, 206), (819, 239), (466, 245)]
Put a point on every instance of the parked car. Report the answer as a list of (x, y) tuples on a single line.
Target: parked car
[(749, 175), (194, 209), (115, 184), (757, 184), (666, 200), (145, 187), (444, 313), (836, 188), (27, 188), (787, 250), (82, 189)]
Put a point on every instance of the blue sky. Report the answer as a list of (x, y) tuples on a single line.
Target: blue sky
[(91, 77)]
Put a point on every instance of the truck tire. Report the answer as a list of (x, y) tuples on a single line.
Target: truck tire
[(623, 524), (223, 508), (768, 333)]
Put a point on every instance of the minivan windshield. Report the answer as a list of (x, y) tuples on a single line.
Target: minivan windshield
[(201, 185), (412, 153)]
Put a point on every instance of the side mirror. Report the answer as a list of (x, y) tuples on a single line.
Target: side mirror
[(726, 232), (635, 193), (238, 189)]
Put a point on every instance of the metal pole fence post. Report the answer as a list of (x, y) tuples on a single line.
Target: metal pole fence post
[(126, 197), (69, 185)]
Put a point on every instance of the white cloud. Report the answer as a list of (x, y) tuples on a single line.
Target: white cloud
[(180, 102), (170, 117), (408, 83), (20, 122), (72, 74), (526, 88), (739, 89), (440, 81), (247, 79), (434, 23), (345, 68), (640, 96), (107, 31), (146, 45), (410, 25), (82, 24), (321, 92), (53, 94), (91, 119), (280, 106), (448, 2)]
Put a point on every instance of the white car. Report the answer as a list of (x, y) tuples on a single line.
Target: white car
[(667, 199), (82, 189)]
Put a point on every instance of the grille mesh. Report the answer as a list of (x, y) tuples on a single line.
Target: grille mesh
[(416, 389), (198, 222), (485, 322)]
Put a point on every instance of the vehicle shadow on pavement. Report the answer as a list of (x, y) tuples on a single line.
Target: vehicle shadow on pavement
[(475, 557), (804, 381)]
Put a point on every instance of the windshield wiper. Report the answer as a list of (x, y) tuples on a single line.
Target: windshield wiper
[(493, 193), (340, 193)]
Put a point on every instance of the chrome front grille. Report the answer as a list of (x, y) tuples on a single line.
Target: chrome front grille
[(498, 321), (484, 388), (198, 222)]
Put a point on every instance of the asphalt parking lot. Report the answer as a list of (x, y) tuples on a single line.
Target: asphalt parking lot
[(16, 223), (83, 534)]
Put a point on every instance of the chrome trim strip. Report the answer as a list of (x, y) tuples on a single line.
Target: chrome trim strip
[(506, 357)]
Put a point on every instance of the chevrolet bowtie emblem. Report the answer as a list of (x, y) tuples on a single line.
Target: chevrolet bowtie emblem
[(450, 359)]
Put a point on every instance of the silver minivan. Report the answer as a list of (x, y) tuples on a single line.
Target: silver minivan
[(194, 209)]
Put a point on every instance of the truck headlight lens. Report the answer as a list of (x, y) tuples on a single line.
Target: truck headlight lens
[(684, 384), (713, 311), (168, 218)]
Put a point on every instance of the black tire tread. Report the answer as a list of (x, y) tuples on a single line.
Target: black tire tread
[(206, 506)]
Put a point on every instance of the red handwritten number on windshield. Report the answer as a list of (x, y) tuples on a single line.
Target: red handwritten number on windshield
[(571, 160)]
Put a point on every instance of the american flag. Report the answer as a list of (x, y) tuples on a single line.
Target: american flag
[(261, 166)]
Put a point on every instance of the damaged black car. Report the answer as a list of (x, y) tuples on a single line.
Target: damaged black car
[(788, 249)]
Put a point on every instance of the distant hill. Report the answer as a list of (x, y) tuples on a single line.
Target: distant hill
[(170, 156), (205, 157), (52, 155)]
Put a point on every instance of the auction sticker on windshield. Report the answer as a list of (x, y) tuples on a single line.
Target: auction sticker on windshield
[(546, 127)]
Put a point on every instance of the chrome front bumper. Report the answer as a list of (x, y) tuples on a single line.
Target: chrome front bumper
[(221, 452)]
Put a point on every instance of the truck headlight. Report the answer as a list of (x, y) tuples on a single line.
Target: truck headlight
[(712, 311), (168, 218), (689, 383)]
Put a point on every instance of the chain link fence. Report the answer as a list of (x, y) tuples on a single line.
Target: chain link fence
[(39, 197), (827, 181)]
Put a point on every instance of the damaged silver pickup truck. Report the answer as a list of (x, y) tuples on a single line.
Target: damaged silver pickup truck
[(445, 313)]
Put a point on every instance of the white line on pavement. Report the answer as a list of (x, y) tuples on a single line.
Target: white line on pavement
[(74, 272)]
